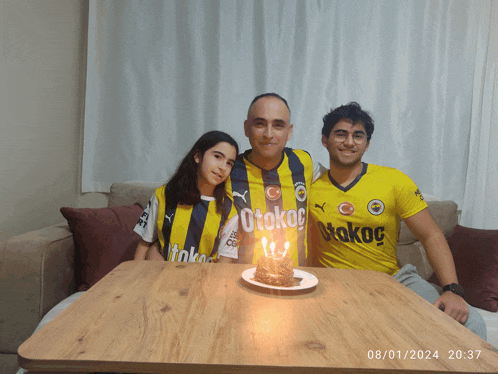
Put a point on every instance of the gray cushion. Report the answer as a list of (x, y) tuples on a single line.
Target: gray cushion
[(444, 213), (129, 193), (414, 254), (411, 251)]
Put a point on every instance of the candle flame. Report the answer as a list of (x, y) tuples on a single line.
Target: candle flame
[(286, 246), (264, 241), (272, 247)]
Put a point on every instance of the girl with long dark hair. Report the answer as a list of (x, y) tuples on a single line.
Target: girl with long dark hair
[(187, 219)]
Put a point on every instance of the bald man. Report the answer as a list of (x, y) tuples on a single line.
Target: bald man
[(269, 184)]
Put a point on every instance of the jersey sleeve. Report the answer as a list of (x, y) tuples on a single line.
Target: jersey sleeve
[(409, 199), (309, 165), (228, 188), (228, 238), (318, 170), (317, 167), (146, 226)]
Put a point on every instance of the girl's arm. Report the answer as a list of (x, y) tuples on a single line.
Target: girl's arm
[(146, 228), (226, 260), (141, 251), (227, 248), (153, 253)]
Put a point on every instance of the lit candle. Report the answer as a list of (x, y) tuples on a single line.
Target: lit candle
[(263, 241), (286, 246), (272, 247)]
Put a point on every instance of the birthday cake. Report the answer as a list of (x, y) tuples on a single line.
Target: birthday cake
[(275, 270)]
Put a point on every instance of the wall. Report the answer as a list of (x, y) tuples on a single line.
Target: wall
[(42, 80)]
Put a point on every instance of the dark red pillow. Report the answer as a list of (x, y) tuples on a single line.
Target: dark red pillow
[(475, 253), (103, 238)]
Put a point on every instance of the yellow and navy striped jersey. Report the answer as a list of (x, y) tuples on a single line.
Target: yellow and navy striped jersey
[(187, 233), (357, 227), (272, 204)]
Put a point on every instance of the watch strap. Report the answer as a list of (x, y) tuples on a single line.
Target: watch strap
[(456, 288)]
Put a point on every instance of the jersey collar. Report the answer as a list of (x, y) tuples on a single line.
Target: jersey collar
[(246, 153), (353, 183), (208, 198)]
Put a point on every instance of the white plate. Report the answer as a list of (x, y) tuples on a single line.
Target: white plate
[(309, 280)]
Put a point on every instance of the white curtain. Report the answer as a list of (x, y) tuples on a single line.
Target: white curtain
[(480, 203), (161, 73)]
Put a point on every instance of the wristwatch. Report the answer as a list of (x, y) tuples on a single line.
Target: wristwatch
[(455, 288)]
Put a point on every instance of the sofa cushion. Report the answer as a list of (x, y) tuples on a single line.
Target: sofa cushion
[(444, 213), (103, 238), (414, 254), (475, 253), (129, 193)]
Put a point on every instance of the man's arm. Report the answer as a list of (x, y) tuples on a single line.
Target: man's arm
[(424, 228)]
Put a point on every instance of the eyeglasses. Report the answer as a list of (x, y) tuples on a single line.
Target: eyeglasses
[(341, 136)]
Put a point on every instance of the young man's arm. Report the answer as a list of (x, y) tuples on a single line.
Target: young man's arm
[(424, 228)]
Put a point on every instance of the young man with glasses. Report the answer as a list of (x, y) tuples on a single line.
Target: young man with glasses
[(355, 213)]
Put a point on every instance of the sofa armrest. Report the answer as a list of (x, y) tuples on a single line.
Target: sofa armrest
[(36, 272)]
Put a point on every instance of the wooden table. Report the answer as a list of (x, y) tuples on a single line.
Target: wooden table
[(165, 317)]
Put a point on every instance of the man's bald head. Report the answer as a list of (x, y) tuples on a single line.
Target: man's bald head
[(269, 94)]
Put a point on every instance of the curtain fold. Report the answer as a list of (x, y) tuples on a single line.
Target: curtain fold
[(161, 73), (480, 204)]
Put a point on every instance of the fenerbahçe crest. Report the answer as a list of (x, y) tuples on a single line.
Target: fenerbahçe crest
[(300, 191), (375, 207)]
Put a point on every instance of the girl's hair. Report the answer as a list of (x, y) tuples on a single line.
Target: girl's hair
[(182, 186)]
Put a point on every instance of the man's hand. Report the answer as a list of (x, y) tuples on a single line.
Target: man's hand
[(453, 305)]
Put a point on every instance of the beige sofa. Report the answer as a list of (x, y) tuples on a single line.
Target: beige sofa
[(36, 270)]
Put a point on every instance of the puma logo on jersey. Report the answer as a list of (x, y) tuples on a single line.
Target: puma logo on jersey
[(169, 218), (321, 207), (235, 193)]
